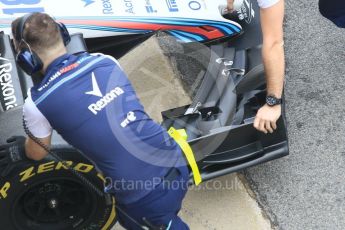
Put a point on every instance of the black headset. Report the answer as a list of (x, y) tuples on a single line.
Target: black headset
[(26, 58)]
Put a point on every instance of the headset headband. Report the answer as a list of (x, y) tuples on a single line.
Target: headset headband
[(21, 26)]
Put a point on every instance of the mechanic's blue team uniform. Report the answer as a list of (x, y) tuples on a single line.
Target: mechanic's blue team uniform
[(90, 102)]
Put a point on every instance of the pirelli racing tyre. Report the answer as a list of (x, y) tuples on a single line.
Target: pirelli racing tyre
[(44, 195)]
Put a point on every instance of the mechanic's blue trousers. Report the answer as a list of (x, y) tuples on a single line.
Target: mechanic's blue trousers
[(334, 10), (160, 207)]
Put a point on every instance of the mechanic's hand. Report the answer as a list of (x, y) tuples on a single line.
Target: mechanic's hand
[(12, 152), (230, 5), (266, 118)]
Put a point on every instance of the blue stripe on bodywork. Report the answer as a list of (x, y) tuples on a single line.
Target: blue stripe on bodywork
[(158, 19), (173, 20), (66, 79), (192, 23), (179, 37), (228, 28), (195, 37), (105, 28), (162, 20)]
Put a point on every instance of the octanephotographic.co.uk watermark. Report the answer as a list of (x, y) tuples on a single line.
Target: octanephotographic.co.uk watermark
[(137, 185)]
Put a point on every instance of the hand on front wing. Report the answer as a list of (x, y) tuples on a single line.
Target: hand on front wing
[(266, 118), (230, 5)]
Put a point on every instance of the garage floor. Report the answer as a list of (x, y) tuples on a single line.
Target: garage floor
[(223, 203)]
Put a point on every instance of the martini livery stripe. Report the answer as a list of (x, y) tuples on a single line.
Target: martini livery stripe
[(184, 29)]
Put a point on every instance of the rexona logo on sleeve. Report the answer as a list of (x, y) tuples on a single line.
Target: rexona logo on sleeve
[(6, 83)]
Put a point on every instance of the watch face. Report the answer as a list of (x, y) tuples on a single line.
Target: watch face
[(271, 101)]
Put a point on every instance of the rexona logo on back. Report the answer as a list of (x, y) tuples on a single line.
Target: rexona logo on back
[(6, 83), (105, 100)]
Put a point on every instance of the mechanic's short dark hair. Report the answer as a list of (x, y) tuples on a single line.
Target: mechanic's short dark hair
[(40, 32)]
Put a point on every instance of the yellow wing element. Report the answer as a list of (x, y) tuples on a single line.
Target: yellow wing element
[(180, 136)]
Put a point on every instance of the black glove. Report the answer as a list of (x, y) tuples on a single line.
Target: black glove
[(11, 153)]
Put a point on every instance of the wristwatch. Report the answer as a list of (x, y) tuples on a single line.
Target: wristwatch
[(272, 100)]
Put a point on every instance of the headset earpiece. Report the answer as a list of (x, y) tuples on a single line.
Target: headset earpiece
[(29, 61), (64, 33)]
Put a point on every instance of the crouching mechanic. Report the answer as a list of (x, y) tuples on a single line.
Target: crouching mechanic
[(271, 18), (90, 102)]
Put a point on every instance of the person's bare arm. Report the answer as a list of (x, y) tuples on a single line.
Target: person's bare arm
[(274, 62), (39, 127), (34, 151), (273, 47)]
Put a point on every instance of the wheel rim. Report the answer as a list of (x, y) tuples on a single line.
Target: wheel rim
[(60, 203)]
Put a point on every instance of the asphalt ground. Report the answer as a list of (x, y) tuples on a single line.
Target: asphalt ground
[(306, 190)]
